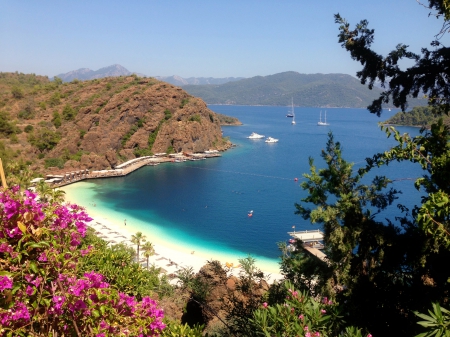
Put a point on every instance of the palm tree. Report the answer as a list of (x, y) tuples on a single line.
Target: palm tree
[(138, 239), (44, 191), (149, 250), (57, 195)]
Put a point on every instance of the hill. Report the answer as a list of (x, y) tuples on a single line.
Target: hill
[(307, 90), (100, 123), (418, 116)]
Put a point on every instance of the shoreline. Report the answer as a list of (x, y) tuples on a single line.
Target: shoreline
[(171, 255)]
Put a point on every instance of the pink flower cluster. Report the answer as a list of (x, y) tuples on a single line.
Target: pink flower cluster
[(39, 253)]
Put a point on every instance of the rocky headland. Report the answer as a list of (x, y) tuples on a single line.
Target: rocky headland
[(98, 124)]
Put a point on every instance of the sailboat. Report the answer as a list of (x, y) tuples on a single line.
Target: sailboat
[(320, 123), (292, 110)]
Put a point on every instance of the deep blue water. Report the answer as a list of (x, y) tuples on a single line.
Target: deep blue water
[(206, 202)]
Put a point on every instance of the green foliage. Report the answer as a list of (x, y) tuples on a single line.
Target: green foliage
[(56, 120), (17, 92), (152, 138), (426, 75), (43, 105), (82, 133), (195, 118), (138, 239), (55, 99), (437, 322), (170, 149), (418, 116), (116, 264), (13, 138), (28, 111), (41, 292), (131, 132), (44, 139), (57, 80), (28, 128), (363, 251), (174, 329), (184, 101), (246, 298), (298, 315), (68, 113), (167, 114), (6, 127), (108, 86), (142, 152), (54, 162)]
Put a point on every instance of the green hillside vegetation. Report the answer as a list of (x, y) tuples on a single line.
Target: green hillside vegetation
[(307, 90), (418, 116)]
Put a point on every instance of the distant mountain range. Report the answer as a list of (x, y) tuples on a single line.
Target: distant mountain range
[(116, 70), (84, 74), (307, 90)]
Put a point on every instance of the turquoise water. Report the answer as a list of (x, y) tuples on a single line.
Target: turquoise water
[(203, 205)]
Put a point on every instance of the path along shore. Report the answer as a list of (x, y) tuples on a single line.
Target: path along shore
[(66, 178)]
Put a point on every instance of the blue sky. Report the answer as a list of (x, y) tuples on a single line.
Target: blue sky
[(200, 38)]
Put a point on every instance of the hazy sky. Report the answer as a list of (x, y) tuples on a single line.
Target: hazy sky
[(200, 38)]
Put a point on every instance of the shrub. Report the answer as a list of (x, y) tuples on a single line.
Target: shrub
[(68, 113), (44, 139), (6, 127), (55, 99), (195, 118), (54, 162), (56, 120), (17, 92), (39, 288), (28, 128), (24, 114), (13, 138)]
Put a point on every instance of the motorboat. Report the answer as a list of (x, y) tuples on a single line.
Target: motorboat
[(254, 135), (271, 140)]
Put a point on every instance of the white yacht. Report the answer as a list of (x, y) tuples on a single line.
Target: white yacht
[(271, 140), (254, 135)]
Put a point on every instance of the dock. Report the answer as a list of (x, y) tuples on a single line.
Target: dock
[(312, 242), (123, 169)]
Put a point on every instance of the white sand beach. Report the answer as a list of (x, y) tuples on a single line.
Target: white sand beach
[(167, 258), (170, 257)]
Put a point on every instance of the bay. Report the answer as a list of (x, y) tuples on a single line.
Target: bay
[(205, 204)]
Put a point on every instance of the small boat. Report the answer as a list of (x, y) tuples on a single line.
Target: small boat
[(254, 135), (250, 214), (320, 123), (271, 140)]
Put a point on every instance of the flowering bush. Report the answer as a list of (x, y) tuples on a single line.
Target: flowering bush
[(40, 294), (299, 315)]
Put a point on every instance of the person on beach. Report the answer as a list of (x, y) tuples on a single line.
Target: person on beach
[(125, 222)]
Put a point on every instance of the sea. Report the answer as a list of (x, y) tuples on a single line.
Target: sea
[(205, 205)]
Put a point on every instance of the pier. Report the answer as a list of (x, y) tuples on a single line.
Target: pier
[(66, 178), (312, 242)]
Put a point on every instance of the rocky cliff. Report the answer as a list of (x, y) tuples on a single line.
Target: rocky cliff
[(100, 123)]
